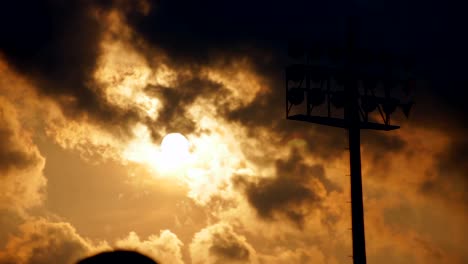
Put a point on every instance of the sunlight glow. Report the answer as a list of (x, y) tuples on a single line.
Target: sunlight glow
[(174, 150), (170, 159), (141, 149)]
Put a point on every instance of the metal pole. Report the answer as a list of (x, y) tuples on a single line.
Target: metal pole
[(357, 208), (354, 137), (353, 122)]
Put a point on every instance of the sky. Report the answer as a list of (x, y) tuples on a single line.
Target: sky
[(90, 89)]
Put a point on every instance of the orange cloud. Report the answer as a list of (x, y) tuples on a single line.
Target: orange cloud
[(21, 163), (40, 241), (219, 243), (165, 248)]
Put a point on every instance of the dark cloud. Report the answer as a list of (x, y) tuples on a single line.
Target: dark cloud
[(177, 100), (21, 163), (195, 31), (218, 244), (379, 146), (267, 111), (289, 192), (55, 44), (453, 162), (451, 173), (201, 32), (15, 154), (12, 157), (9, 222), (383, 141), (227, 246)]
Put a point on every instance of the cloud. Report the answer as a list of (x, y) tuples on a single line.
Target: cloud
[(41, 241), (38, 240), (380, 143), (409, 195), (57, 47), (452, 170), (295, 190), (165, 248), (22, 181), (219, 243)]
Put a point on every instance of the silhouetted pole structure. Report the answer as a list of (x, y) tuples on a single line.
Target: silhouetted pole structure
[(351, 115), (355, 116)]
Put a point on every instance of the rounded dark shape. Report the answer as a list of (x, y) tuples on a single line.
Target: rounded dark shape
[(338, 99), (118, 256), (370, 83), (368, 103), (390, 105), (316, 96), (295, 96)]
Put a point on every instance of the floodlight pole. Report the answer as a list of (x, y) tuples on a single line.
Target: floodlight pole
[(352, 119), (353, 111)]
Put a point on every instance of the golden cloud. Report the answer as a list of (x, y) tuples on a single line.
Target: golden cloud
[(219, 243), (41, 241), (165, 248), (21, 163)]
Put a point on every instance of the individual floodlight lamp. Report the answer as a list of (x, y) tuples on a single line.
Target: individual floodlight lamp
[(338, 99), (389, 105), (370, 83), (316, 96), (369, 103), (295, 96)]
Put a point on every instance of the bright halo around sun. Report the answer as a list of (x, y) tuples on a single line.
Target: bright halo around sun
[(175, 151)]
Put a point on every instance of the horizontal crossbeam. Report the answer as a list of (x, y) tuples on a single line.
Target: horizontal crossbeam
[(339, 122)]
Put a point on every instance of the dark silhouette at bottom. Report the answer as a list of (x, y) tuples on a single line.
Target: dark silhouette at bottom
[(118, 256)]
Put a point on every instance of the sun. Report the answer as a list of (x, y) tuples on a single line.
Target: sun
[(174, 150)]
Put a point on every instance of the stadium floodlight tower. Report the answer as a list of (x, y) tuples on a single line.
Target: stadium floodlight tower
[(346, 78)]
